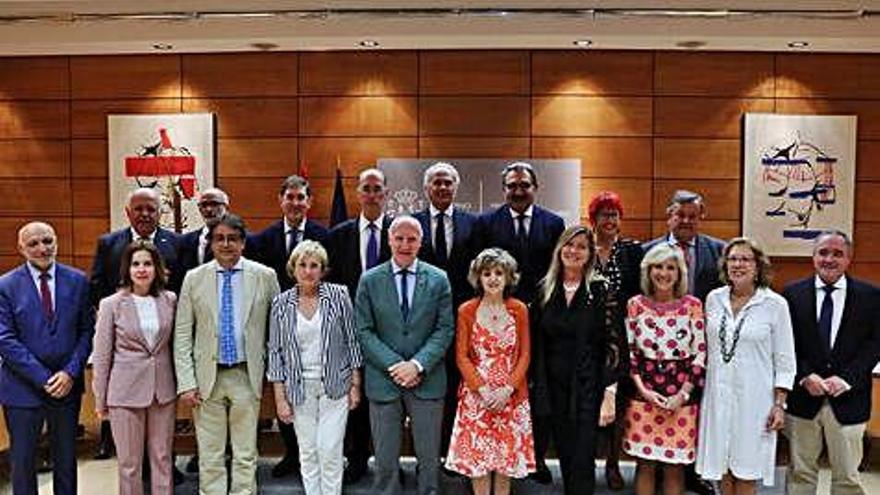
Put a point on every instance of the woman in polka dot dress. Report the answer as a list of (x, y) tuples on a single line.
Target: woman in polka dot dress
[(667, 342)]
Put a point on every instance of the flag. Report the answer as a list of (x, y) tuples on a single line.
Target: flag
[(338, 211)]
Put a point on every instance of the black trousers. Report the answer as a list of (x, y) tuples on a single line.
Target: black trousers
[(575, 440), (357, 434)]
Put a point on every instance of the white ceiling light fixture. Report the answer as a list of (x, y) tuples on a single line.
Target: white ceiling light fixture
[(368, 44), (163, 46), (798, 44), (582, 43)]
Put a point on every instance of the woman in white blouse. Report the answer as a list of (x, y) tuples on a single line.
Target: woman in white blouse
[(133, 374), (751, 367), (314, 361)]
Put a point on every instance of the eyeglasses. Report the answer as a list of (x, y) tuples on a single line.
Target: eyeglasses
[(225, 239), (740, 259), (608, 215), (525, 186)]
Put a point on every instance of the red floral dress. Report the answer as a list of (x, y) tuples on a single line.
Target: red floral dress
[(667, 344), (485, 441)]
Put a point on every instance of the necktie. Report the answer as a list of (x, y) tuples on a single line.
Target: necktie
[(46, 296), (404, 294), (228, 354), (522, 237), (372, 247), (293, 235), (440, 241), (686, 251), (825, 316)]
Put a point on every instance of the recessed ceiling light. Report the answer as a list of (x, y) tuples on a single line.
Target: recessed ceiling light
[(264, 46), (691, 44), (582, 43), (163, 46), (368, 43), (798, 44)]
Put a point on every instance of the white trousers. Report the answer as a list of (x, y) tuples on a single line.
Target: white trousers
[(320, 429)]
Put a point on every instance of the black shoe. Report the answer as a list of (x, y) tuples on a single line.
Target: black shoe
[(354, 472), (104, 452), (44, 465), (699, 486), (192, 465), (286, 466), (177, 474), (542, 475), (450, 473)]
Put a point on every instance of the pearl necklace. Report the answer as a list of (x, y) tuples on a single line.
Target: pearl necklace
[(571, 287)]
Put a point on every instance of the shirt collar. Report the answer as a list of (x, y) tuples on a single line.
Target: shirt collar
[(301, 227), (527, 213), (151, 237), (839, 285), (434, 211), (35, 272), (236, 268), (395, 268), (363, 222), (676, 242)]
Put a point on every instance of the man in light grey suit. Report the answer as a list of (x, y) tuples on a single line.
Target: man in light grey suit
[(219, 356), (405, 323)]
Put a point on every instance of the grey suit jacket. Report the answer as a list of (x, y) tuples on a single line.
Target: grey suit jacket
[(195, 330), (387, 339)]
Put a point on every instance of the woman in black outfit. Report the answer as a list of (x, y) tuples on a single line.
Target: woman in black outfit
[(575, 356), (618, 260)]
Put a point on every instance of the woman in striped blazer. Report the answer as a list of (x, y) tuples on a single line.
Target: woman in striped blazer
[(314, 362)]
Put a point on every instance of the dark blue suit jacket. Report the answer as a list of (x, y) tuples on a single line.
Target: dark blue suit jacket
[(188, 250), (708, 251), (495, 229), (855, 353), (343, 246), (269, 247), (105, 266), (460, 255), (31, 347)]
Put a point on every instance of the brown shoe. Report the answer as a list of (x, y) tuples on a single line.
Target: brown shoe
[(614, 478)]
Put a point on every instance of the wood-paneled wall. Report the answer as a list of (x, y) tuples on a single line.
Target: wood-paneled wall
[(642, 123)]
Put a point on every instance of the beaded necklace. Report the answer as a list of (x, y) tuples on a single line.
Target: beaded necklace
[(727, 355)]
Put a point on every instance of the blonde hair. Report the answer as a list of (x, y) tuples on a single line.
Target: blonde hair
[(551, 281), (307, 249), (657, 255)]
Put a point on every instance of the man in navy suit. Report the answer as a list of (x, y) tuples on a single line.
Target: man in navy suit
[(272, 247), (836, 322), (355, 246), (46, 327), (529, 233), (193, 248), (448, 245), (683, 215), (142, 211)]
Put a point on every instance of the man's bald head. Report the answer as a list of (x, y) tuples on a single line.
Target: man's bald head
[(38, 244), (142, 211)]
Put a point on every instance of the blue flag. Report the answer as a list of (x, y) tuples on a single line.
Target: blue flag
[(338, 211)]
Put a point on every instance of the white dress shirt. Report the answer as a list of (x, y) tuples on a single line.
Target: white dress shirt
[(363, 229)]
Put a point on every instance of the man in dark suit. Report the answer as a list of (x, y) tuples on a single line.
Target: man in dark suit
[(355, 246), (447, 244), (193, 248), (836, 321), (701, 253), (405, 324), (272, 247), (46, 327), (683, 215), (142, 211), (529, 233)]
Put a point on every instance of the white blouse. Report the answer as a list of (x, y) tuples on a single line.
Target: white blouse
[(308, 338), (148, 317)]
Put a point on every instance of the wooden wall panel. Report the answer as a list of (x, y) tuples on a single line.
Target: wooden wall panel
[(239, 74), (697, 158), (704, 117), (34, 78), (25, 197), (600, 157), (358, 73), (722, 197), (249, 117), (128, 76), (474, 116), (477, 72), (34, 158), (323, 197), (591, 116), (86, 231), (90, 116), (473, 147), (867, 202), (252, 197), (88, 158), (714, 74), (868, 160), (9, 228), (868, 112), (257, 157), (845, 75), (364, 116), (353, 154), (29, 119), (636, 203), (867, 235), (91, 197), (578, 72)]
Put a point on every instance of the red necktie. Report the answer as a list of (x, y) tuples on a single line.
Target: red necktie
[(46, 296), (686, 250)]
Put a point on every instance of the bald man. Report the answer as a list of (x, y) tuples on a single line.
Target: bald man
[(46, 326)]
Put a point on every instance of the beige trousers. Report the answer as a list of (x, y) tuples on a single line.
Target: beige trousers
[(232, 409), (844, 453)]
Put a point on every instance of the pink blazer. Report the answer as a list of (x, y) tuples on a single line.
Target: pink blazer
[(126, 372)]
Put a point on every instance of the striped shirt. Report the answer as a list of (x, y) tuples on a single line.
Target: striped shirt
[(340, 350)]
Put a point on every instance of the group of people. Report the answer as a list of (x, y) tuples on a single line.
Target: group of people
[(497, 335)]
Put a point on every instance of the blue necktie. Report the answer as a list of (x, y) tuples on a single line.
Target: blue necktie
[(440, 241), (228, 354), (825, 316), (372, 247), (404, 294)]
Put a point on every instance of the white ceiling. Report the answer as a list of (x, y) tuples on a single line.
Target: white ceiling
[(33, 27)]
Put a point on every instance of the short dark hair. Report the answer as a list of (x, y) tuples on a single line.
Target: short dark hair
[(684, 197), (297, 181), (159, 281), (232, 221), (520, 167)]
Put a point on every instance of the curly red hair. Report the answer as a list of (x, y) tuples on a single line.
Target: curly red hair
[(604, 200)]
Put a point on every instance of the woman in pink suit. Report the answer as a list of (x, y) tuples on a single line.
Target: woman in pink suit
[(133, 377)]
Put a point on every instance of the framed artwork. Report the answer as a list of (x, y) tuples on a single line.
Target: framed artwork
[(798, 179), (171, 153)]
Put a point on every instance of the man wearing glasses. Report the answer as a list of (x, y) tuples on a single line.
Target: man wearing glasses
[(219, 355), (529, 233)]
